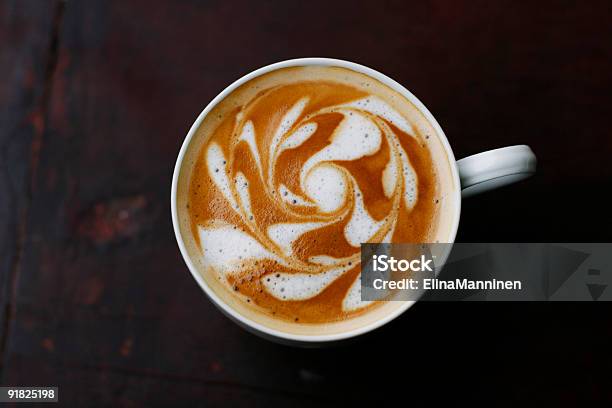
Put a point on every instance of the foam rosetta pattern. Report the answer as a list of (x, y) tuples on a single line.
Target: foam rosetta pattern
[(293, 181)]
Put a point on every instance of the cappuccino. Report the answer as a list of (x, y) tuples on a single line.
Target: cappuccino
[(289, 174)]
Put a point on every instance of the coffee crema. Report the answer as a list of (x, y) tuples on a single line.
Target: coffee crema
[(294, 170)]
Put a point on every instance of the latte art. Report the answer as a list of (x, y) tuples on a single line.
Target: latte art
[(293, 178)]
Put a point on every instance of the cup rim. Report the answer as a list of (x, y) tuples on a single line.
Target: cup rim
[(322, 61)]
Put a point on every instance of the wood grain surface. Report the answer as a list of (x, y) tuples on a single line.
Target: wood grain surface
[(95, 99)]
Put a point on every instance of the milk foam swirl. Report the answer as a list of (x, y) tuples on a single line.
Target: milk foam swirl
[(293, 168)]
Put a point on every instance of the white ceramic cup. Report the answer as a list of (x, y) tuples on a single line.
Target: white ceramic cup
[(471, 175)]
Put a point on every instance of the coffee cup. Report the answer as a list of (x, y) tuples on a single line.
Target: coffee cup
[(466, 177)]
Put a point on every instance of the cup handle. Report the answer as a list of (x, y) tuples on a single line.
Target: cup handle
[(495, 168)]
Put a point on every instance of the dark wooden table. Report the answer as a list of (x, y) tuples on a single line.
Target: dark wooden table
[(95, 99)]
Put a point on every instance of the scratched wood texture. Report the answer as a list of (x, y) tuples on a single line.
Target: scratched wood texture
[(95, 98)]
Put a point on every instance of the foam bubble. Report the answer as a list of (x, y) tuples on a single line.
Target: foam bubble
[(326, 260), (248, 135), (326, 186), (298, 137), (389, 235), (242, 187), (286, 123), (223, 257), (355, 137), (289, 197), (299, 286), (352, 301), (410, 181), (378, 107), (285, 234), (389, 178), (361, 225), (217, 168)]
